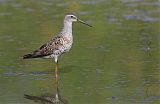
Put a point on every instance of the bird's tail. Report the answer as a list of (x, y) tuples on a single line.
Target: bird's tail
[(28, 56), (35, 54)]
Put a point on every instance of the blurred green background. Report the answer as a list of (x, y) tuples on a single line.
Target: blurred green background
[(115, 62)]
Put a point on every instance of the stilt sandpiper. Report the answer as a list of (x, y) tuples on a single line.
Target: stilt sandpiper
[(58, 45)]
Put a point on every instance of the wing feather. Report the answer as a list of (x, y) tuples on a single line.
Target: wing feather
[(49, 48)]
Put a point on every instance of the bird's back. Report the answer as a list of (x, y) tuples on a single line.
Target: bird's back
[(55, 46)]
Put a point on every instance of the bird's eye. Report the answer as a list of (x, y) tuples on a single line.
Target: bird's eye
[(71, 16)]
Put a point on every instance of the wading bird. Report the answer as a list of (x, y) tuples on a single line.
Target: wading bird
[(60, 44)]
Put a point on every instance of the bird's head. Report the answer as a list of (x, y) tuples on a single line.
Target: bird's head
[(70, 17)]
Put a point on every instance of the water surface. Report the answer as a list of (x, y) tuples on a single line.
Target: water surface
[(115, 62)]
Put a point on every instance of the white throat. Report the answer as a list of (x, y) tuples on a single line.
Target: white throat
[(67, 27)]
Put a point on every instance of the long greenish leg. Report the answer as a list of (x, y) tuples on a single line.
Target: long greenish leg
[(57, 92), (56, 72)]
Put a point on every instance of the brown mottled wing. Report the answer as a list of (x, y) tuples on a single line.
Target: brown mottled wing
[(47, 49), (52, 46)]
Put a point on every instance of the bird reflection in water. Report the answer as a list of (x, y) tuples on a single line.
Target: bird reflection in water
[(47, 99)]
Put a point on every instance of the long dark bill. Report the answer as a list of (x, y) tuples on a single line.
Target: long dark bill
[(83, 22)]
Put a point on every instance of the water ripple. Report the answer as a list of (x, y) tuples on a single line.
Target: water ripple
[(143, 18), (5, 14), (32, 75)]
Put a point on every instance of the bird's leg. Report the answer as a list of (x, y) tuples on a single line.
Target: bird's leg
[(57, 92), (56, 72)]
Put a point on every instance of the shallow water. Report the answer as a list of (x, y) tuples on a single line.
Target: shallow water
[(115, 62)]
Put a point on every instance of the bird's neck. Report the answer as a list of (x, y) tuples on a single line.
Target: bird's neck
[(67, 28)]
